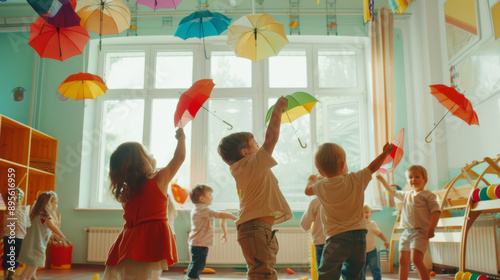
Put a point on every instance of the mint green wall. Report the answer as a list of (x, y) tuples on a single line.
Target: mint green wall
[(16, 71)]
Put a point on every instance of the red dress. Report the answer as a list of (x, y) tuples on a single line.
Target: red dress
[(146, 235)]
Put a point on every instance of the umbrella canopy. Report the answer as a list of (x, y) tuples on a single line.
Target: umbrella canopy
[(180, 193), (456, 103), (103, 16), (299, 104), (159, 4), (82, 86), (395, 157), (191, 101), (256, 36), (59, 13), (57, 42), (202, 24)]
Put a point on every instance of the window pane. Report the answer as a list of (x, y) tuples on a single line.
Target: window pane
[(123, 122), (230, 71), (294, 163), (337, 69), (343, 128), (174, 70), (163, 142), (237, 112), (288, 70), (125, 70)]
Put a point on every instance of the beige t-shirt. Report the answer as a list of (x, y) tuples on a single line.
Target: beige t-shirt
[(417, 208), (258, 189), (342, 198), (311, 215), (373, 230)]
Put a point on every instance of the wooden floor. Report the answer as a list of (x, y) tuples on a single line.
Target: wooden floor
[(86, 272)]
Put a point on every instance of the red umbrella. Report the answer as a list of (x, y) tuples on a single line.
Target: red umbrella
[(192, 100), (57, 42), (456, 103), (395, 157)]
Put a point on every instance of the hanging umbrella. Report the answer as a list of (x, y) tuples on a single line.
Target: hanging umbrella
[(256, 36), (59, 13), (456, 103), (104, 16), (201, 24), (192, 100), (299, 104), (57, 42), (395, 157), (159, 4), (82, 86)]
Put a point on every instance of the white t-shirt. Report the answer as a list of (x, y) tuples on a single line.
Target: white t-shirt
[(311, 215), (373, 230), (342, 198), (417, 208), (258, 189), (202, 226)]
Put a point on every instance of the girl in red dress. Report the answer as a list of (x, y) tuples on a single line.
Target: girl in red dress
[(146, 243)]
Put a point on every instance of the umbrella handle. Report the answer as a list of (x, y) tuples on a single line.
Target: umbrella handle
[(230, 126), (430, 140), (303, 146)]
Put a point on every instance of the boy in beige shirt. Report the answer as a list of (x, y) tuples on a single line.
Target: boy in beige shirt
[(261, 202)]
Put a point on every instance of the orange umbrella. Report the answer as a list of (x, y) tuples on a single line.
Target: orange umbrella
[(82, 86), (57, 42), (456, 103)]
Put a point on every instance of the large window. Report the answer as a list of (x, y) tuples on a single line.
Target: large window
[(145, 82)]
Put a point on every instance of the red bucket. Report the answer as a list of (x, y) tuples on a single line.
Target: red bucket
[(60, 257)]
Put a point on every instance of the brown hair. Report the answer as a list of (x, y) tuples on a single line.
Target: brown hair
[(127, 170), (230, 146), (43, 207), (419, 168), (18, 195), (197, 191), (329, 159)]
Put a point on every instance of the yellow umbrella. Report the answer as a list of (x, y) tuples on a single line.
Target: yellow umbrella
[(82, 86), (103, 16), (256, 36)]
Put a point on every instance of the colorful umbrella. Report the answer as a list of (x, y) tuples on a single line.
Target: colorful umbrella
[(201, 24), (180, 193), (159, 4), (104, 16), (82, 86), (59, 13), (57, 42), (456, 103), (256, 36), (299, 104), (395, 157), (192, 100)]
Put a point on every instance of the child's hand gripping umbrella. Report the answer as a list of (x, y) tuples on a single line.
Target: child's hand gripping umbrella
[(395, 157), (299, 104), (192, 100)]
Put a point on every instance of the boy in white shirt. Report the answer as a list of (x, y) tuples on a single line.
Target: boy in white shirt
[(202, 229), (371, 250), (312, 215), (342, 198)]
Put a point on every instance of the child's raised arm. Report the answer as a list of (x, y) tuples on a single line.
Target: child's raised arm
[(385, 184), (378, 161), (273, 129), (310, 181), (166, 174)]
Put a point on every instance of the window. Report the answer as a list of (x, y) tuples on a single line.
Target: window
[(145, 82)]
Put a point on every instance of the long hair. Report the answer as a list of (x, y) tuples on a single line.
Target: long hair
[(43, 206), (127, 170)]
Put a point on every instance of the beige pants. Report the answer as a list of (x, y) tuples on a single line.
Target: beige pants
[(260, 247)]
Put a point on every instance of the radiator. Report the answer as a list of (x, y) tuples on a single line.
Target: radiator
[(481, 253), (100, 240), (293, 248)]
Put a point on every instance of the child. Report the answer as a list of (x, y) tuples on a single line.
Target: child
[(342, 196), (14, 227), (202, 228), (371, 250), (311, 215), (261, 202), (44, 221), (146, 243), (419, 217)]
